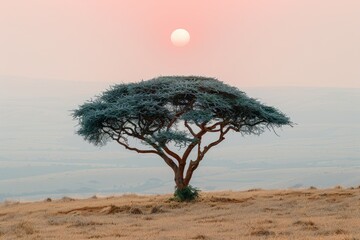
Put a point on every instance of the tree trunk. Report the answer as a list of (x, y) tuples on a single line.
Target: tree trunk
[(192, 167), (179, 177)]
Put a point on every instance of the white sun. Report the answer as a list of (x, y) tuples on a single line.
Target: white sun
[(180, 37)]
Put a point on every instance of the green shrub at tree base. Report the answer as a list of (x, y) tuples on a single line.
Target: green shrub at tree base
[(188, 193)]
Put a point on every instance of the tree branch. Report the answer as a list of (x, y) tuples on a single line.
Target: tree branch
[(157, 150), (231, 128), (254, 124), (212, 127), (167, 160), (207, 148), (171, 153), (177, 115), (136, 149), (192, 145), (194, 164), (133, 124), (189, 128)]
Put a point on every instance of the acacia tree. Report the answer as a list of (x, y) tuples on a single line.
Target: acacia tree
[(174, 111)]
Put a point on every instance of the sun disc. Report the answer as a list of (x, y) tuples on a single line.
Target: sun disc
[(180, 37)]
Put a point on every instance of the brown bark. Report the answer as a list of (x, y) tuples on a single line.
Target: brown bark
[(192, 167), (179, 177), (180, 183), (200, 155)]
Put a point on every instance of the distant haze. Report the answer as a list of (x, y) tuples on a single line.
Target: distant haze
[(245, 43), (40, 155)]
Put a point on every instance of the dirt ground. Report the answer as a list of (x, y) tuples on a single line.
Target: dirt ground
[(254, 214)]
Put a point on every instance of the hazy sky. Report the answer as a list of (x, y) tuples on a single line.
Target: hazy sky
[(242, 42)]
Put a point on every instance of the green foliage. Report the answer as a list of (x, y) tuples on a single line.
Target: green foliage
[(165, 137), (152, 111), (188, 193)]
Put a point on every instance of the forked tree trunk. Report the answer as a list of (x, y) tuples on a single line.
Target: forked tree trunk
[(179, 177), (181, 181)]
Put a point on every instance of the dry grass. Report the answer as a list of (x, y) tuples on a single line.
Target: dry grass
[(254, 214)]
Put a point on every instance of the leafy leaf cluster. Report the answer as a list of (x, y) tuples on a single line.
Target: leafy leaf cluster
[(153, 110)]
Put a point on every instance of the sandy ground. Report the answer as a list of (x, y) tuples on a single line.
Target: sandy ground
[(254, 214)]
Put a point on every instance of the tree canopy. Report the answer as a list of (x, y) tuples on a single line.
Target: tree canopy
[(174, 111)]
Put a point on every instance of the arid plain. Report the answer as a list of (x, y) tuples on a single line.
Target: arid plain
[(253, 214)]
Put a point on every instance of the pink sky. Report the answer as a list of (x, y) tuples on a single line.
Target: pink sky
[(242, 42)]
